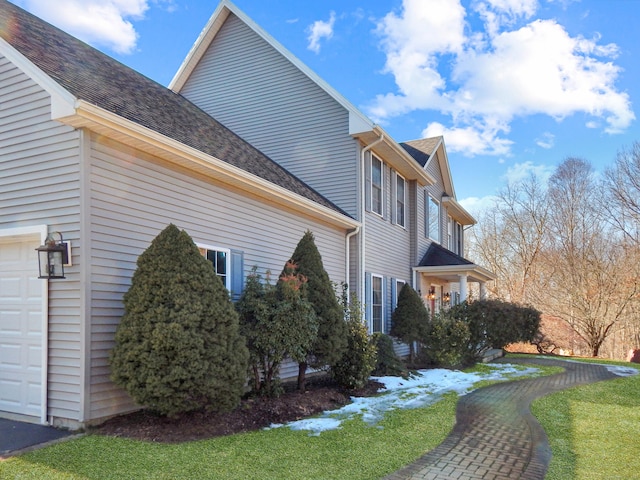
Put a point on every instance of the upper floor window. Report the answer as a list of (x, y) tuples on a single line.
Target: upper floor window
[(220, 259), (450, 241), (433, 219), (400, 200), (376, 185)]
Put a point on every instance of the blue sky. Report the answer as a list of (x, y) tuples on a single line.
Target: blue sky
[(514, 86)]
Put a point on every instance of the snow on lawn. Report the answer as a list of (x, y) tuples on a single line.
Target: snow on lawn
[(422, 389)]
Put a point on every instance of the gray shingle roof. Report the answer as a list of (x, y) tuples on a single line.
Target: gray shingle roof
[(96, 78), (421, 149), (438, 256)]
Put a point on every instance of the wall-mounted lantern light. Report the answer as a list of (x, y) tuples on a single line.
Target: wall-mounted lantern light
[(447, 297), (52, 257), (432, 293)]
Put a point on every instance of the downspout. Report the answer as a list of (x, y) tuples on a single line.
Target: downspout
[(353, 232), (362, 213)]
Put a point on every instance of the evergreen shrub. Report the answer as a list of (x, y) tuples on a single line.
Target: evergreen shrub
[(387, 361), (495, 324), (410, 319), (359, 359), (178, 346), (446, 342), (331, 340)]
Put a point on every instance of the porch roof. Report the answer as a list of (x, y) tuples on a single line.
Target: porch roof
[(442, 263)]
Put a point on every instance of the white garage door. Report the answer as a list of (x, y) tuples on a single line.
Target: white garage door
[(21, 306)]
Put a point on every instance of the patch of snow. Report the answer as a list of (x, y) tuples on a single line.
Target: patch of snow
[(621, 371), (420, 390)]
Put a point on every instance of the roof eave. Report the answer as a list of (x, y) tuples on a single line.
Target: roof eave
[(476, 271), (402, 160), (62, 101), (458, 212), (99, 120)]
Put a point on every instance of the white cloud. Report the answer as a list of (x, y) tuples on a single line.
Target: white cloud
[(319, 30), (546, 140), (477, 205), (521, 171), (515, 66), (413, 42), (99, 22), (470, 140)]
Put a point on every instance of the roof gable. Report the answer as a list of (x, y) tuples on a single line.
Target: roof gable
[(91, 76), (358, 122), (428, 150)]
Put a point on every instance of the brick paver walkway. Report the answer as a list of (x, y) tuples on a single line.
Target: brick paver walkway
[(496, 436)]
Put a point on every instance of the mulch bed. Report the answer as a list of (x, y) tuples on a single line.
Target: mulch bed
[(254, 413)]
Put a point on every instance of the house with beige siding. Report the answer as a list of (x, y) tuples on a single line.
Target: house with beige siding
[(412, 226), (246, 150), (107, 158)]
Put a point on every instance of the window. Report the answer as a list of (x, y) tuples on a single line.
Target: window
[(376, 185), (433, 219), (377, 304), (450, 244), (459, 239), (220, 259), (400, 200), (399, 285)]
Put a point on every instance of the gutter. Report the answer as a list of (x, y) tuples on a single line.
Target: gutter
[(101, 121)]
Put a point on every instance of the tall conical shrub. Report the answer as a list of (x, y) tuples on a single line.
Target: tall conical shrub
[(332, 330), (410, 319), (178, 347)]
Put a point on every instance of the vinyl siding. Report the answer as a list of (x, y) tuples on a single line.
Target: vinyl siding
[(40, 184), (252, 89), (134, 197), (388, 247)]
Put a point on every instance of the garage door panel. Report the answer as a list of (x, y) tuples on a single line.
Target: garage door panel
[(20, 327), (10, 393), (11, 323), (10, 355), (10, 287)]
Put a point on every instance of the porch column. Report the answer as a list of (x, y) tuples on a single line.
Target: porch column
[(463, 288), (483, 290)]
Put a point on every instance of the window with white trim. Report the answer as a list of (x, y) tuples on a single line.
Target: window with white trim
[(376, 185), (450, 244), (400, 200), (220, 258), (433, 219), (377, 304), (399, 285)]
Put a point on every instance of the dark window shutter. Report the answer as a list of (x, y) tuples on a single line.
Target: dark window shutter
[(367, 182), (368, 302), (237, 274), (393, 211)]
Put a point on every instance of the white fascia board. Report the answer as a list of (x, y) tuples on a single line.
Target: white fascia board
[(90, 116), (471, 270), (62, 102), (397, 148), (200, 46), (459, 211)]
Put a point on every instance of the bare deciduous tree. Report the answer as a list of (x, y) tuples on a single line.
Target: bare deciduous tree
[(588, 284)]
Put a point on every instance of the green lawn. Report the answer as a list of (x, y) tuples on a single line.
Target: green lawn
[(356, 451), (593, 430)]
